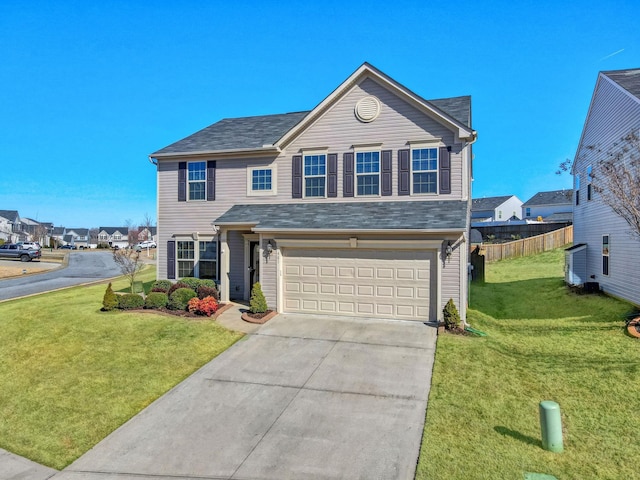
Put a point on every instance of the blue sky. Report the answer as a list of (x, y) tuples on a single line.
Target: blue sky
[(89, 89)]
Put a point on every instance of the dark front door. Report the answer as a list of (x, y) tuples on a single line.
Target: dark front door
[(254, 263)]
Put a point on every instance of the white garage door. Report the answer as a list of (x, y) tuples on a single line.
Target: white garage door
[(382, 283)]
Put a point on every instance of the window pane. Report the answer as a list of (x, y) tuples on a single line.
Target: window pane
[(185, 250), (425, 182), (185, 269), (207, 270), (197, 171), (196, 191), (314, 165), (367, 162), (314, 187), (208, 250), (261, 179), (368, 184), (425, 159)]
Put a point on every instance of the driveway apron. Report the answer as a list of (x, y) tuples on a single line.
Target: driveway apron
[(306, 397)]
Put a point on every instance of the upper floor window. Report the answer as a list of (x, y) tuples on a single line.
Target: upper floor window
[(315, 175), (577, 189), (197, 179), (367, 173), (424, 170), (589, 178), (261, 181), (528, 212)]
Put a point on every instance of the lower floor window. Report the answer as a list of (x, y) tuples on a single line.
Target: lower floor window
[(605, 254), (197, 259)]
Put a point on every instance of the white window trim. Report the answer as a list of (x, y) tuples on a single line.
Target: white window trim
[(189, 182), (420, 146), (308, 153), (364, 149), (262, 193)]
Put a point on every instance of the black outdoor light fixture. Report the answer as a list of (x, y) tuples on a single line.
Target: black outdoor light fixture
[(449, 249), (269, 248)]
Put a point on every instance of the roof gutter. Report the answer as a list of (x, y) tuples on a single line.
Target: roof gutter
[(219, 153), (388, 231)]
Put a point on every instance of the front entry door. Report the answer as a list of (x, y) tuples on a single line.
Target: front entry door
[(254, 263)]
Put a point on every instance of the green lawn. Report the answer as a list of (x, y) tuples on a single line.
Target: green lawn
[(70, 374), (544, 343)]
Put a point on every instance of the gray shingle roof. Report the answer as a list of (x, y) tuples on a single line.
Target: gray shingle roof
[(237, 133), (560, 217), (112, 230), (554, 197), (457, 107), (255, 132), (628, 79), (433, 215), (11, 215), (488, 203)]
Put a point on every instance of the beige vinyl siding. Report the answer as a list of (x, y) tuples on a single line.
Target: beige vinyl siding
[(611, 116), (452, 285)]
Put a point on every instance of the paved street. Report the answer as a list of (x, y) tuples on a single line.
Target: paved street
[(83, 267)]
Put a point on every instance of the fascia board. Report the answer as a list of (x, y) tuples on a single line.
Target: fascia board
[(388, 231), (234, 152)]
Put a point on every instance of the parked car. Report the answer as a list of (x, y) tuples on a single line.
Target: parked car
[(145, 244), (12, 250), (68, 247), (29, 245)]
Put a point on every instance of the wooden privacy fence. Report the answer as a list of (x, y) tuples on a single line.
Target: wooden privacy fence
[(528, 246)]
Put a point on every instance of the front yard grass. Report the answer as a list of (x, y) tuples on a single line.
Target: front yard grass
[(71, 374), (543, 343)]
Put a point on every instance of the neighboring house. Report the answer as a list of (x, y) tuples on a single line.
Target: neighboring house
[(79, 237), (145, 233), (552, 207), (359, 207), (496, 209), (10, 226), (58, 234), (114, 236), (610, 251)]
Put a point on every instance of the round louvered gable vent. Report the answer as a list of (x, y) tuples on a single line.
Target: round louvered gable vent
[(368, 109)]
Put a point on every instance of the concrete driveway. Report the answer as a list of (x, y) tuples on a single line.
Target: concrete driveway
[(305, 397)]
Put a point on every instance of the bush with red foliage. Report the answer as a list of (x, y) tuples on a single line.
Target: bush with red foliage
[(205, 306)]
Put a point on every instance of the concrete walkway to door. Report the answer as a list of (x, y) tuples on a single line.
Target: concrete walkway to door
[(304, 397)]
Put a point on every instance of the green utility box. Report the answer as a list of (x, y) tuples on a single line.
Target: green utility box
[(551, 426)]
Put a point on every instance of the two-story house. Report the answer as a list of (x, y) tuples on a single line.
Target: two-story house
[(605, 249), (79, 237), (496, 209), (358, 207), (10, 226), (113, 236), (553, 206)]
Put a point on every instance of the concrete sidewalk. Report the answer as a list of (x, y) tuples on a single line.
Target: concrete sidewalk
[(13, 467), (303, 397)]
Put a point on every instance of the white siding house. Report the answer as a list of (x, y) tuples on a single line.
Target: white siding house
[(496, 209), (612, 257), (358, 207)]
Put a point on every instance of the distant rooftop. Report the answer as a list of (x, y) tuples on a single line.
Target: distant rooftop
[(554, 197), (488, 203)]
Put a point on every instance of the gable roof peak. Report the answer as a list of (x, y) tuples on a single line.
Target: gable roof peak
[(629, 79)]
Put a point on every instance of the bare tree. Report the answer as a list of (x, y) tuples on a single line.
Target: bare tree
[(129, 262), (147, 224), (616, 178), (133, 233)]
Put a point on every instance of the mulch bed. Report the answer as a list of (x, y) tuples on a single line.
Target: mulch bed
[(184, 313), (258, 317)]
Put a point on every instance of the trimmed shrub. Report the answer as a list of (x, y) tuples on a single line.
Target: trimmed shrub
[(179, 300), (451, 316), (156, 300), (207, 282), (205, 306), (257, 304), (110, 299), (161, 286), (192, 282), (176, 286), (129, 301), (204, 291)]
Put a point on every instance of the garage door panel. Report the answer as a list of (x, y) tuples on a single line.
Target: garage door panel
[(386, 283)]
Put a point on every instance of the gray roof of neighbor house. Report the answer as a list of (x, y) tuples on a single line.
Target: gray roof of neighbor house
[(560, 217), (81, 232), (628, 79), (247, 133), (11, 215), (58, 230), (112, 230), (430, 215), (554, 197), (488, 203)]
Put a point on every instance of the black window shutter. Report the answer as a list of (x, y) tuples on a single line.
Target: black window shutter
[(386, 173), (182, 181), (211, 180), (171, 259), (332, 175), (404, 173), (347, 174), (445, 170), (296, 170)]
